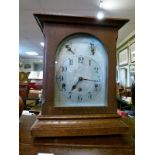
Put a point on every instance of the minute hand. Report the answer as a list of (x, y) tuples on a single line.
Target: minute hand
[(89, 80)]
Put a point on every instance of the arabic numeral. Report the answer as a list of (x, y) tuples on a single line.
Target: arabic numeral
[(64, 86), (70, 61), (89, 95), (63, 68), (80, 98), (96, 69), (98, 79), (80, 59), (97, 87), (69, 95), (89, 62), (60, 78)]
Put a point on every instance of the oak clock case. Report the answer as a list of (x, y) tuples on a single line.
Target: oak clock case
[(81, 72), (79, 77)]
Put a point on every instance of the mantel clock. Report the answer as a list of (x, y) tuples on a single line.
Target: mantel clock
[(79, 77)]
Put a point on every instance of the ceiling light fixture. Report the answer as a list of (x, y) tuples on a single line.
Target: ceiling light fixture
[(100, 15), (110, 4), (101, 3), (31, 53), (42, 44)]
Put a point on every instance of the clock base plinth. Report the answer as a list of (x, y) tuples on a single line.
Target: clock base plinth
[(65, 127)]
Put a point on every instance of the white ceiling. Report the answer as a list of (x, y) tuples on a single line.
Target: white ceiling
[(30, 34)]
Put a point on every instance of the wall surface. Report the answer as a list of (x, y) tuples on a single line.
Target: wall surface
[(125, 61), (28, 65)]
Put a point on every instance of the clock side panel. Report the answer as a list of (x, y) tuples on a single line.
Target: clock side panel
[(54, 34)]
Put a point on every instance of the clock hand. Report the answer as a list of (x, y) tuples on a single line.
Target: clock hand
[(75, 85), (88, 79), (92, 48), (69, 49), (79, 80)]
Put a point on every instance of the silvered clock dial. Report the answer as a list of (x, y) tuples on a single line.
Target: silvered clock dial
[(81, 72)]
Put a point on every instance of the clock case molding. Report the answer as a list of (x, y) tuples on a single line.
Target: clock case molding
[(77, 121)]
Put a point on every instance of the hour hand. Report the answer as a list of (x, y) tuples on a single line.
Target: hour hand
[(75, 85)]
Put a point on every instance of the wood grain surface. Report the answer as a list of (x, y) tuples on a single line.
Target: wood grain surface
[(90, 145)]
